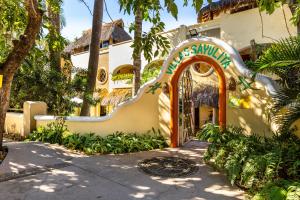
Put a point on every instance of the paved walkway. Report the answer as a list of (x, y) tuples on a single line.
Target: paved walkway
[(37, 171)]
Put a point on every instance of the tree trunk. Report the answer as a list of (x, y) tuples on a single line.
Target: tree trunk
[(137, 62), (94, 56), (54, 32), (16, 57)]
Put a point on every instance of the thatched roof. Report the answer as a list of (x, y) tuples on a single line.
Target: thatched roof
[(116, 96), (206, 95), (114, 30), (215, 8)]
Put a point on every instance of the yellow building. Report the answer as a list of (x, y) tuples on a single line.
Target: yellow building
[(112, 33), (239, 23), (200, 79)]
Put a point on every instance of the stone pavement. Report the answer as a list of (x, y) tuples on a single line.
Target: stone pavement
[(36, 171)]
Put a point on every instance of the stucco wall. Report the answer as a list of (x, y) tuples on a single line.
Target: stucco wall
[(23, 123), (151, 107), (239, 28), (137, 117), (121, 54), (14, 123)]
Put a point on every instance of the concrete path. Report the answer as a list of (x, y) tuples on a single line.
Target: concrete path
[(42, 171)]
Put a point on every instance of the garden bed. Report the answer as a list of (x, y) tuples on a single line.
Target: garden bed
[(267, 168), (57, 133)]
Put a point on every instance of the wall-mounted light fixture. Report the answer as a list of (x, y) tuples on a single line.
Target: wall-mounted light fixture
[(193, 33)]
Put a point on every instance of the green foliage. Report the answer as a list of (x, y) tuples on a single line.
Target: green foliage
[(254, 162), (57, 133), (52, 133), (153, 40), (13, 19), (283, 60), (153, 44), (117, 77), (36, 81), (150, 73), (279, 190)]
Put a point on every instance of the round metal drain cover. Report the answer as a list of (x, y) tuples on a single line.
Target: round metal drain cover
[(168, 166)]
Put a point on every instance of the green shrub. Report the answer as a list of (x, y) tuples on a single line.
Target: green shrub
[(118, 77), (279, 190), (254, 162), (52, 133), (56, 132)]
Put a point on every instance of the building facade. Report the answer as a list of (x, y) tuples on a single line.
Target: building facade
[(239, 24)]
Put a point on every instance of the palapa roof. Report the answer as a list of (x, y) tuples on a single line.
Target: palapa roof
[(215, 8), (114, 30), (206, 95)]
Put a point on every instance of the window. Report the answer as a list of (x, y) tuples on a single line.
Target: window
[(103, 111), (102, 76), (104, 44)]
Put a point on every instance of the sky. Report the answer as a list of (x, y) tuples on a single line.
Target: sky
[(78, 18)]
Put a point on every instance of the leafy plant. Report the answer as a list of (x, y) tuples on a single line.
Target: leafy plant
[(283, 60), (254, 162), (150, 73), (117, 77), (52, 133), (56, 132)]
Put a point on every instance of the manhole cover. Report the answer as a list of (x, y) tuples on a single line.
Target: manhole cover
[(168, 166)]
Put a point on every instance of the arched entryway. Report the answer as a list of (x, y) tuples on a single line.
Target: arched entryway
[(174, 93)]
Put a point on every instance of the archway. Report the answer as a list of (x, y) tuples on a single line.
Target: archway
[(174, 110)]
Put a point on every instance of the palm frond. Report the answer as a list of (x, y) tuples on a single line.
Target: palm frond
[(284, 54), (283, 59)]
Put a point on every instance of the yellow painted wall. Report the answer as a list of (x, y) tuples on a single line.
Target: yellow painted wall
[(23, 123), (138, 117), (14, 123), (239, 28), (149, 110), (103, 63)]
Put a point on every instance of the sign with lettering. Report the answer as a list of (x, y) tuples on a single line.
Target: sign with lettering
[(200, 49), (1, 79)]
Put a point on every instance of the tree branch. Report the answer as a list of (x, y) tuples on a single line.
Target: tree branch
[(26, 40)]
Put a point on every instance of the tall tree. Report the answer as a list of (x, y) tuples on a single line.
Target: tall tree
[(137, 60), (142, 11), (94, 57), (20, 48), (153, 43), (55, 41)]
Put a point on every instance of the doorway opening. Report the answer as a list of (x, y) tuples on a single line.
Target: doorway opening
[(195, 100)]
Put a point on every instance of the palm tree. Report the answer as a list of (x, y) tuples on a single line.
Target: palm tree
[(54, 12), (149, 10), (283, 60), (94, 56), (138, 7)]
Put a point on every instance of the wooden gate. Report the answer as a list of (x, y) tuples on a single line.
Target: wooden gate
[(185, 107)]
